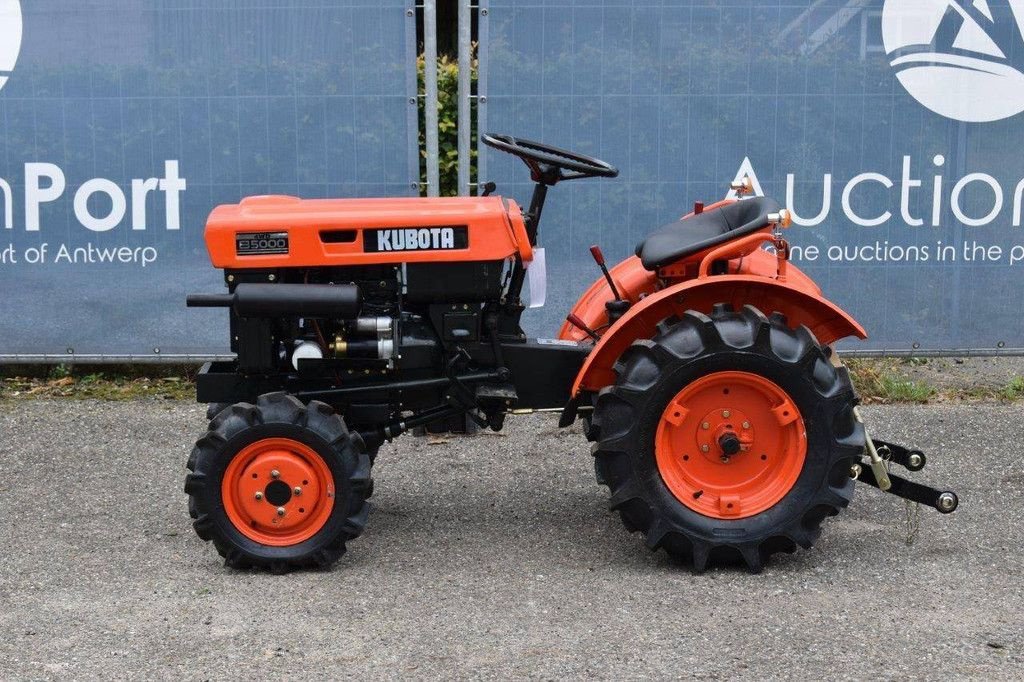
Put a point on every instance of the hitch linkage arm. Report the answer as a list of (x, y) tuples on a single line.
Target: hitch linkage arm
[(944, 501), (911, 460)]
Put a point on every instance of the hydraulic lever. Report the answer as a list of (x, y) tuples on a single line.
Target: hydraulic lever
[(618, 306), (595, 251)]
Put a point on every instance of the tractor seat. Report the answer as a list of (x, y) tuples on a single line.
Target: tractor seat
[(696, 233)]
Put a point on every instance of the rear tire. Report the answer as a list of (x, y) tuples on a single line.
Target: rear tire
[(644, 468), (244, 474)]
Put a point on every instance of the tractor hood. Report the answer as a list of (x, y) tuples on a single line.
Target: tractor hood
[(284, 231)]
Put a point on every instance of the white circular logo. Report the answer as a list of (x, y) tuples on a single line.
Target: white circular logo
[(956, 57), (10, 37)]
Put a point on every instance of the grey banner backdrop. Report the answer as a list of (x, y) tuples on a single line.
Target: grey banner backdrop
[(123, 122), (893, 129)]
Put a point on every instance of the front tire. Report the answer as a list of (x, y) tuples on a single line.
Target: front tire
[(727, 438), (278, 485)]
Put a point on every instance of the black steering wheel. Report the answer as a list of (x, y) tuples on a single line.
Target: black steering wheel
[(549, 165)]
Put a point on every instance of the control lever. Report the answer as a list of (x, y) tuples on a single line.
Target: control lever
[(575, 321), (489, 187), (618, 306), (595, 251)]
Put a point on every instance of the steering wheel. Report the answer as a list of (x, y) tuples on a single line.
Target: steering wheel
[(549, 165)]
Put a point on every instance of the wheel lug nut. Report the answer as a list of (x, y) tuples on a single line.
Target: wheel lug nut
[(259, 496), (280, 511), (726, 413), (275, 474), (746, 425), (704, 448), (298, 490), (705, 425)]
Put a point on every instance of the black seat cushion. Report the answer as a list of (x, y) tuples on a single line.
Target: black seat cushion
[(690, 235)]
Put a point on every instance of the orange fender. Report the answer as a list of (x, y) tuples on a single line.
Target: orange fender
[(801, 306)]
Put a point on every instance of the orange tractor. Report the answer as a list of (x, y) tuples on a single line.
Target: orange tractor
[(723, 423)]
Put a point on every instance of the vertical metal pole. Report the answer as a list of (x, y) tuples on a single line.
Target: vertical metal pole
[(430, 102), (465, 126), (412, 91), (483, 38)]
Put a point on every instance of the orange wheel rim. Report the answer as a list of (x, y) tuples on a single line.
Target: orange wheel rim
[(730, 445), (278, 491)]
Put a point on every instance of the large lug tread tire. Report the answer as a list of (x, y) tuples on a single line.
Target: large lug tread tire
[(279, 415), (651, 372)]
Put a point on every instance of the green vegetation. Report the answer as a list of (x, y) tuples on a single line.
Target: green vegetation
[(1014, 390), (902, 391), (447, 124), (886, 380), (881, 381), (108, 382)]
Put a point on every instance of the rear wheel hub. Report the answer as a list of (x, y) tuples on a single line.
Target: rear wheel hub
[(730, 445)]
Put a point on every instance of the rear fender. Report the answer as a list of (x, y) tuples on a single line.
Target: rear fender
[(801, 306)]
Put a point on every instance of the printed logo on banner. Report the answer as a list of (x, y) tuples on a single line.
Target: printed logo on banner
[(956, 58), (10, 37)]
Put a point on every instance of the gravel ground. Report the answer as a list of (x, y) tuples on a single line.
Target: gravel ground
[(493, 557)]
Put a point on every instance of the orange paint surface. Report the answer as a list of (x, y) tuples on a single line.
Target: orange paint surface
[(495, 226), (759, 415)]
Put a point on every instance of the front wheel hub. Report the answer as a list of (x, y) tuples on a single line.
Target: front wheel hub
[(278, 491), (730, 444)]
